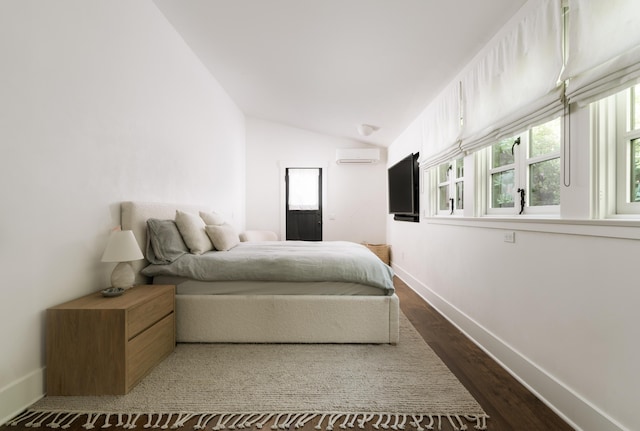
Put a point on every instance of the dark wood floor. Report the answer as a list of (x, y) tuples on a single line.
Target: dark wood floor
[(510, 406)]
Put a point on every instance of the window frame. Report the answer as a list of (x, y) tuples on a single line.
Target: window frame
[(491, 171), (624, 135), (521, 165), (451, 183)]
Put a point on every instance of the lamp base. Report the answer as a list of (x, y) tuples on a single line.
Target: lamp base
[(123, 276)]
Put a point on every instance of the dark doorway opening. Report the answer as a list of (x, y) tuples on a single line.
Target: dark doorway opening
[(304, 204)]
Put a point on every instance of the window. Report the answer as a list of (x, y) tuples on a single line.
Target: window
[(627, 181), (450, 187), (502, 174), (524, 172), (303, 188)]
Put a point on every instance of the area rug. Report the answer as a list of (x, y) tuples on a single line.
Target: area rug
[(234, 386)]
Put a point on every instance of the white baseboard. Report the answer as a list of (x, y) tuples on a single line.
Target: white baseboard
[(19, 395), (571, 407)]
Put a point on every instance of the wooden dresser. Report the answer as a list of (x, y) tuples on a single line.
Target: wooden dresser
[(105, 345)]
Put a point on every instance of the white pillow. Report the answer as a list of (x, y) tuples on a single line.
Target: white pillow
[(224, 236), (191, 228), (211, 218)]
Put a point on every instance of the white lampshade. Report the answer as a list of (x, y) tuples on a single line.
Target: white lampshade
[(122, 247)]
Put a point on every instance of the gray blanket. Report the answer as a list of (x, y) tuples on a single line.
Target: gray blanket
[(284, 261)]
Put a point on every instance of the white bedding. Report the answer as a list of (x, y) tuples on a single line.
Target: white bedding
[(283, 261)]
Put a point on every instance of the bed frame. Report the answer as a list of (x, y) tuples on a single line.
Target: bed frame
[(267, 318)]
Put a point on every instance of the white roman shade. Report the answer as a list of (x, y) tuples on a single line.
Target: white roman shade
[(515, 83), (441, 128), (604, 48)]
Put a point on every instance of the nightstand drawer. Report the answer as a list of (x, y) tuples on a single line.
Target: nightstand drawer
[(144, 315), (149, 348)]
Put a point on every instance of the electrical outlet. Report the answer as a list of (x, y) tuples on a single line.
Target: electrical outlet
[(509, 237)]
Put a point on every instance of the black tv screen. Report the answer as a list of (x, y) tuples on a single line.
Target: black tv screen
[(404, 189)]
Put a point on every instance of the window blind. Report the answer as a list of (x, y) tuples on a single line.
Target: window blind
[(515, 84), (604, 48), (441, 128)]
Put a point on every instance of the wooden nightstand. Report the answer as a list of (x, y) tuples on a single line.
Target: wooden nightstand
[(105, 346)]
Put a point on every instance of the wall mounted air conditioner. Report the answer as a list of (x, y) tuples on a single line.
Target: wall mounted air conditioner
[(357, 156)]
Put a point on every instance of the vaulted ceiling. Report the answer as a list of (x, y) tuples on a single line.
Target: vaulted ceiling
[(330, 65)]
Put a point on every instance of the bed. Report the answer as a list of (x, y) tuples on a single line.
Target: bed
[(262, 307)]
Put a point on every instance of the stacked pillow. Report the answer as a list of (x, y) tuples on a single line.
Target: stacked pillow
[(191, 227), (212, 218), (167, 240), (224, 236)]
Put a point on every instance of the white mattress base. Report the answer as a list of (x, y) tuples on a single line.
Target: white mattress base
[(185, 286), (287, 319)]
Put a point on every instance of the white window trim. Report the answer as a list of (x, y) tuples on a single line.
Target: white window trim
[(603, 130), (528, 161), (454, 192), (624, 136), (515, 166), (451, 182), (624, 229), (610, 140), (521, 165), (439, 185)]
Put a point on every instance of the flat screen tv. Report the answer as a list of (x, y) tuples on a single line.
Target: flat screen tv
[(404, 189)]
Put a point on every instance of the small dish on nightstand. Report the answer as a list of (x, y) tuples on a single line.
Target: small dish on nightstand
[(112, 291)]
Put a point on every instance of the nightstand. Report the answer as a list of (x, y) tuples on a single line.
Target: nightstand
[(104, 346)]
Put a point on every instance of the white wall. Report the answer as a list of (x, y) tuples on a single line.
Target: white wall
[(558, 307), (100, 102), (356, 202)]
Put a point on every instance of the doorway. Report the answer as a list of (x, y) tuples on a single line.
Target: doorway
[(303, 204)]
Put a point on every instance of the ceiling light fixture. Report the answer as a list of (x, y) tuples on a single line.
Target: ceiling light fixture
[(367, 129)]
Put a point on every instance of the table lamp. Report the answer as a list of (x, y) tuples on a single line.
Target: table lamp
[(123, 248)]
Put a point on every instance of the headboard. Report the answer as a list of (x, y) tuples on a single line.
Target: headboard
[(134, 216)]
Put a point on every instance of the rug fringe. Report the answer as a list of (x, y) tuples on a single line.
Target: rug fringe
[(237, 421)]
